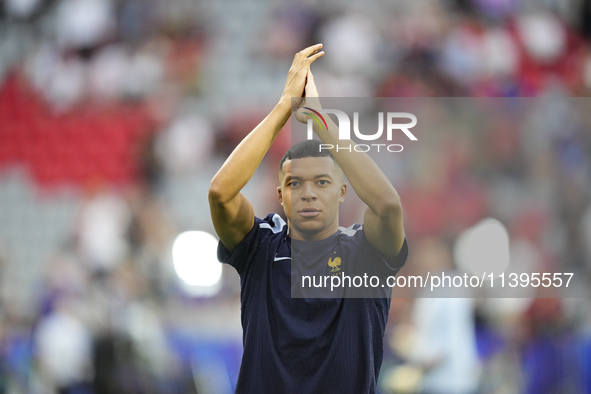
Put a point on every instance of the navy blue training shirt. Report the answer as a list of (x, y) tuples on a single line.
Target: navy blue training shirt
[(307, 345)]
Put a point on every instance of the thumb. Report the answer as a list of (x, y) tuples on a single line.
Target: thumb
[(309, 78), (311, 90)]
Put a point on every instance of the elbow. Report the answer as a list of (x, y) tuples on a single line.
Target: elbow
[(216, 193), (391, 207)]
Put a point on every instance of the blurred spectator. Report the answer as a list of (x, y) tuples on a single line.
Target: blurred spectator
[(102, 225), (444, 334), (547, 350), (21, 9), (186, 145), (84, 24), (64, 350)]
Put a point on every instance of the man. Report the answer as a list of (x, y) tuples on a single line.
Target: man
[(306, 345)]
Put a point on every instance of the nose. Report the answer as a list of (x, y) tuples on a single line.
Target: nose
[(309, 194)]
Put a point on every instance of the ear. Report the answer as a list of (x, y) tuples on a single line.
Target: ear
[(280, 195), (343, 192)]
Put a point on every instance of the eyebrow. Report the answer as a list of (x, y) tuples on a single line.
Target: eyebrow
[(297, 178)]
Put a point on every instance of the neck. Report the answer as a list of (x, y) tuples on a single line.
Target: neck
[(312, 236)]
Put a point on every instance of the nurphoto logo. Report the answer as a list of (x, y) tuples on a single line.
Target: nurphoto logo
[(345, 129)]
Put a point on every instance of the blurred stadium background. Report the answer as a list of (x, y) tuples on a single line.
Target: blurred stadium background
[(115, 114)]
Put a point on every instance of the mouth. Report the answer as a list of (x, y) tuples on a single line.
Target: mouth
[(309, 212)]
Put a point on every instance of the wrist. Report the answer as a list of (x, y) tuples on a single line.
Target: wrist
[(284, 105), (284, 101)]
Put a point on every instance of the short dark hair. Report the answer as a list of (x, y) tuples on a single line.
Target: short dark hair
[(307, 148)]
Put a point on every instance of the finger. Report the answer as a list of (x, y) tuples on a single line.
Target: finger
[(310, 50), (311, 59)]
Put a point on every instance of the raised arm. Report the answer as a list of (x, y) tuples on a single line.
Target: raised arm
[(231, 212), (383, 217)]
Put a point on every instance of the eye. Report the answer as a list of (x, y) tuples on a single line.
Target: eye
[(323, 182), (294, 183)]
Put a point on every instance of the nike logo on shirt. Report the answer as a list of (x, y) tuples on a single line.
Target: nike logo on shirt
[(281, 258)]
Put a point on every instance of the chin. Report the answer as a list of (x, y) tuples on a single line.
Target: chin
[(310, 228)]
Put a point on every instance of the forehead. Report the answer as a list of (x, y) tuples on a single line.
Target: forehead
[(309, 167)]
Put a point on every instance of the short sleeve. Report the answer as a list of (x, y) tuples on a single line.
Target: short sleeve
[(244, 253), (391, 263), (398, 261)]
